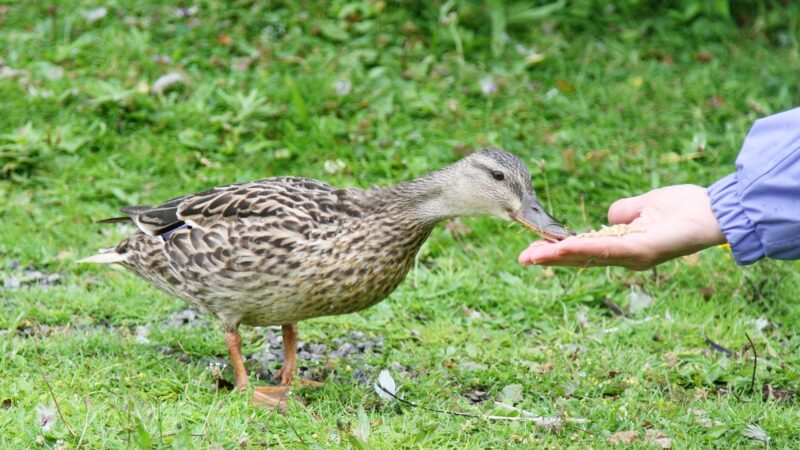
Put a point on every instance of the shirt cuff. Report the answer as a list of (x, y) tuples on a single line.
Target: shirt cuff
[(733, 221)]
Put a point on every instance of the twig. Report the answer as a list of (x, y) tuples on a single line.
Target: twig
[(615, 308), (632, 322), (566, 287), (755, 363), (718, 347), (278, 406), (538, 421), (732, 390), (294, 430), (191, 434), (53, 395), (280, 442), (753, 376)]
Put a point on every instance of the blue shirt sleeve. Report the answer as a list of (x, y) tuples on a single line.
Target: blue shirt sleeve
[(758, 206)]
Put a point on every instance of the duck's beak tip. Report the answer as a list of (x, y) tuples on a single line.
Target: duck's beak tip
[(533, 217)]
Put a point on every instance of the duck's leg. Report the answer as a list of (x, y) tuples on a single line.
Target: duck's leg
[(286, 372), (234, 343), (275, 396)]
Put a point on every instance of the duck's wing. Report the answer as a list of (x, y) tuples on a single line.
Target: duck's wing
[(303, 199)]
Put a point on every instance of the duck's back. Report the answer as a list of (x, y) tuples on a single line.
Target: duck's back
[(272, 251)]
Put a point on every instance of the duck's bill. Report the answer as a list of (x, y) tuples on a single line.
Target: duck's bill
[(533, 217)]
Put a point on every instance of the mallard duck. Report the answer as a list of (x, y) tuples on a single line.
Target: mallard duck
[(280, 250)]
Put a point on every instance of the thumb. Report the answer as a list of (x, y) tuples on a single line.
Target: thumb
[(626, 210)]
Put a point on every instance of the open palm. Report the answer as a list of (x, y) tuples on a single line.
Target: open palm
[(676, 220)]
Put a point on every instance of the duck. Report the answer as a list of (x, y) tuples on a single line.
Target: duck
[(280, 250)]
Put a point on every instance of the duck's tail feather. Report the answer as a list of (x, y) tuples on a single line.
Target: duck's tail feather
[(106, 256)]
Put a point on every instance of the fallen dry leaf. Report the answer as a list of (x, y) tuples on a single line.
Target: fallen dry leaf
[(224, 39), (545, 367), (477, 396), (777, 394), (624, 437), (663, 442), (704, 57), (569, 160), (717, 101), (456, 228), (657, 438), (564, 86), (692, 260), (462, 149), (512, 393), (757, 107), (596, 156), (452, 106)]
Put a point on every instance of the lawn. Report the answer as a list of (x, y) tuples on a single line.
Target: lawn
[(134, 102)]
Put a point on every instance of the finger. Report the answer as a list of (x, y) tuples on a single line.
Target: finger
[(559, 251), (612, 251), (555, 255), (625, 210), (523, 259), (539, 243)]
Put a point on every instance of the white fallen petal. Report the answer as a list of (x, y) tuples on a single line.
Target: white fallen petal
[(488, 86), (386, 382), (46, 415), (583, 319), (334, 167), (342, 87), (761, 324), (166, 81), (639, 300), (756, 433), (93, 15), (141, 334)]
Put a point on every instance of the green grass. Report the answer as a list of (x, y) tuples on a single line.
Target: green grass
[(623, 102)]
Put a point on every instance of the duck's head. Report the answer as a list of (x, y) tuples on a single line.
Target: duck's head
[(497, 183)]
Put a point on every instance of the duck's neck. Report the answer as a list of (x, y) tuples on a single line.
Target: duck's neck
[(427, 200)]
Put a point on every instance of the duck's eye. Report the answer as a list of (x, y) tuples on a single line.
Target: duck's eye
[(499, 176)]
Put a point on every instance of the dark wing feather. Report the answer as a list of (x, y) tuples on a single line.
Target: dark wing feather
[(115, 220), (299, 197), (260, 198)]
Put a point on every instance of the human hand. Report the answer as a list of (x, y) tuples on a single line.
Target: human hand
[(676, 220)]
